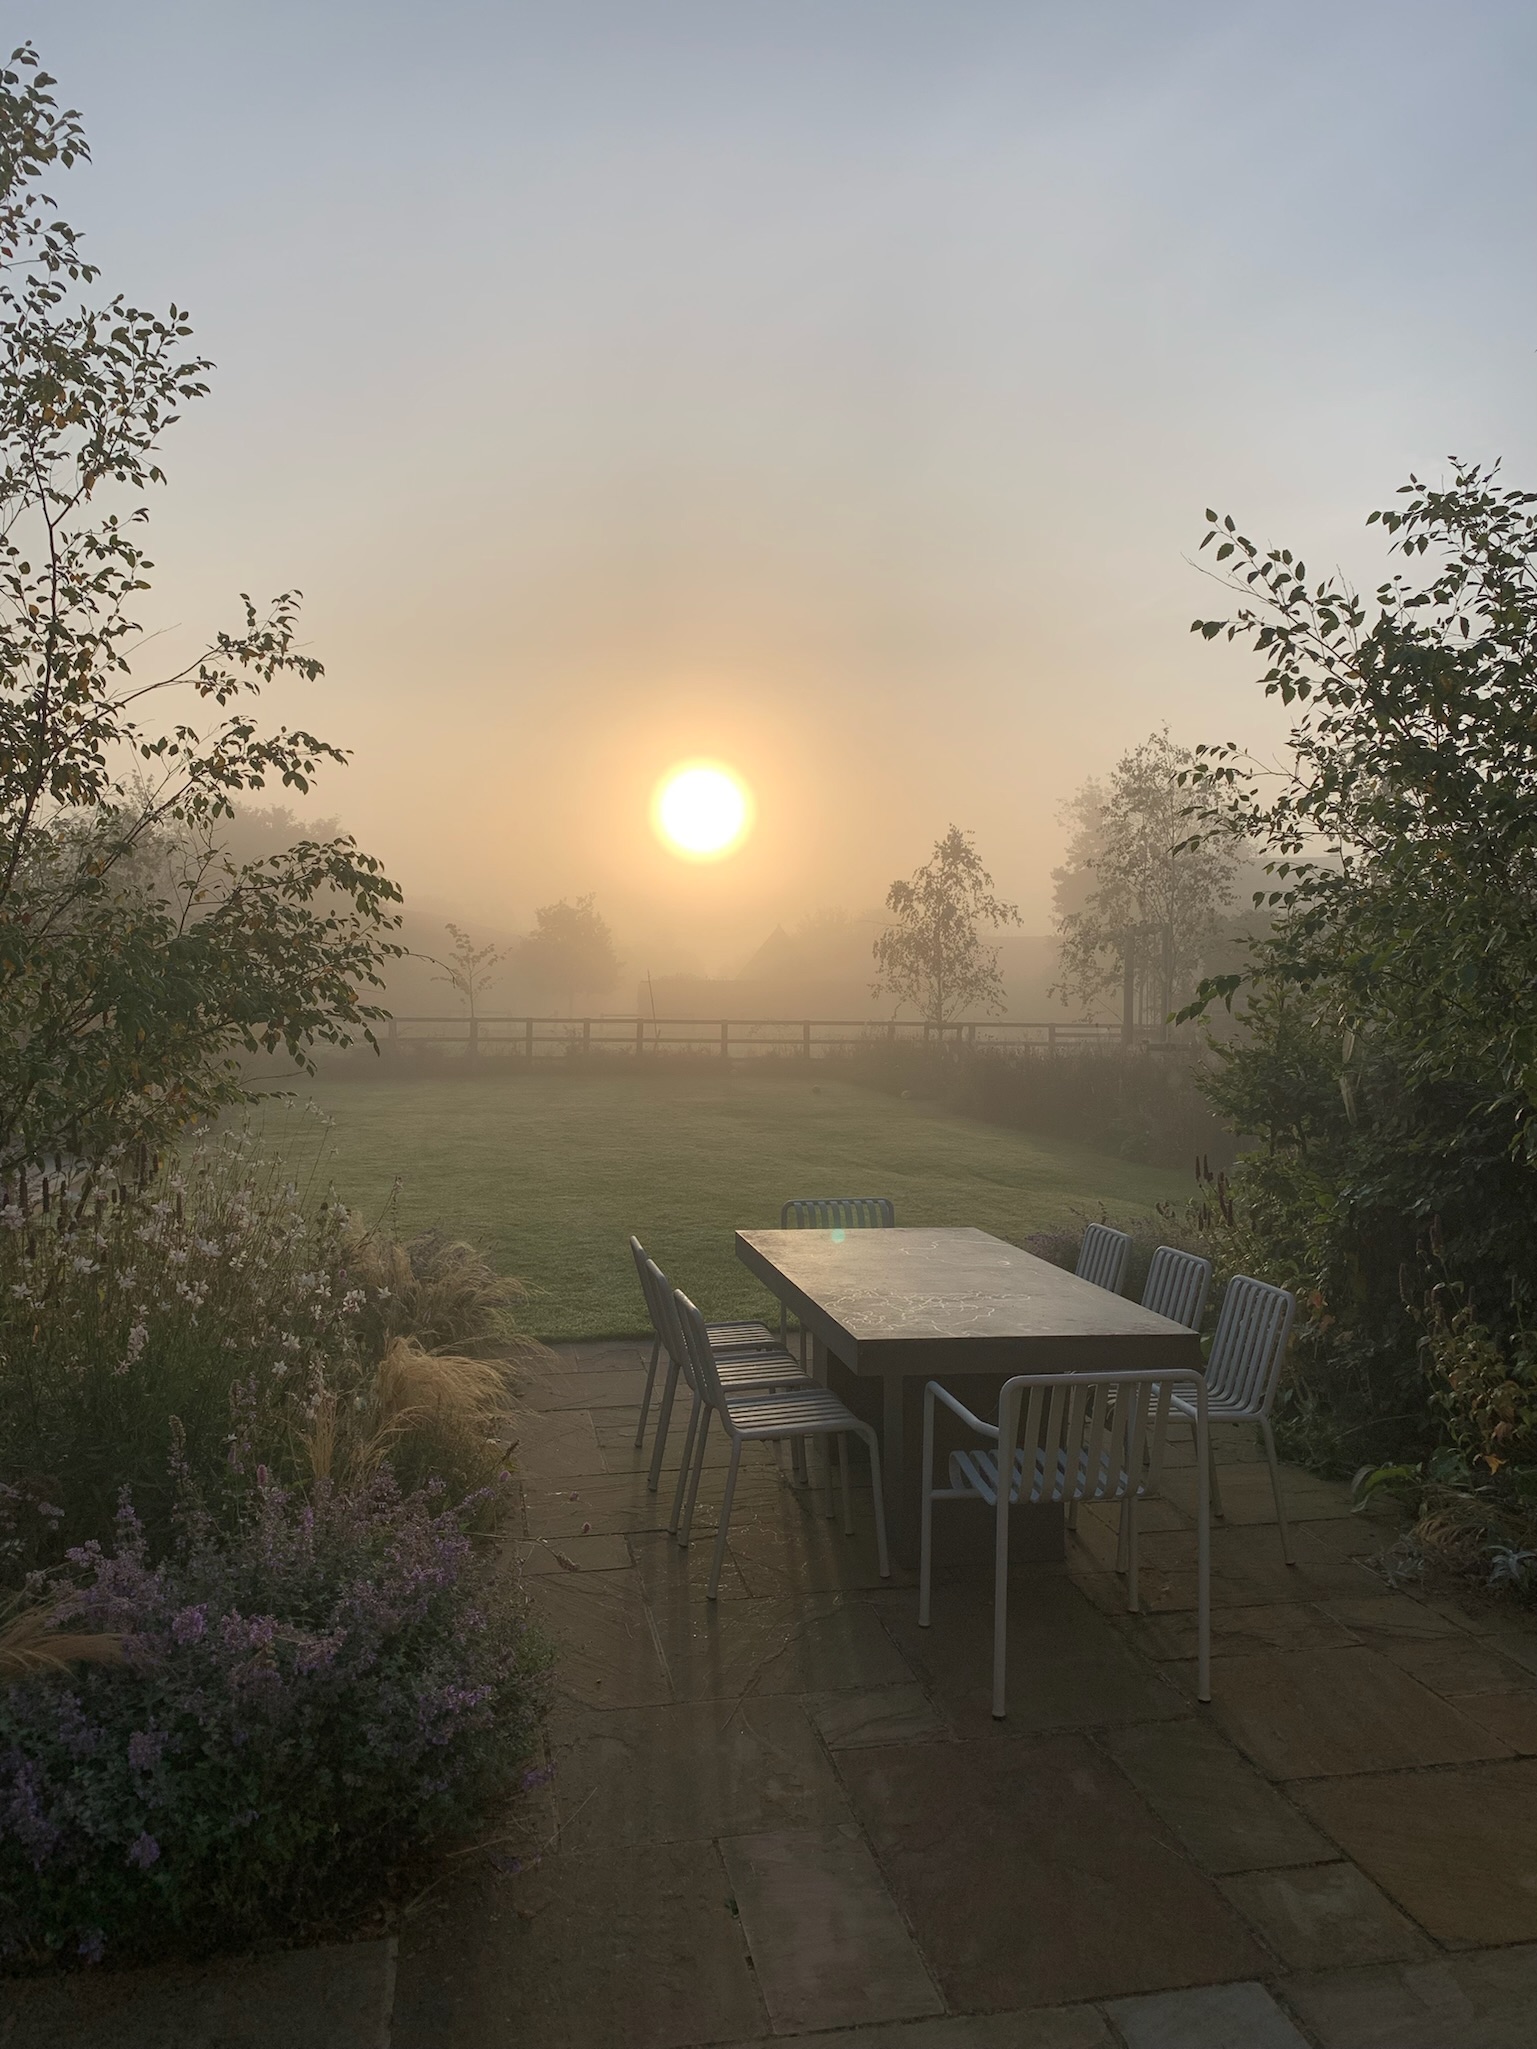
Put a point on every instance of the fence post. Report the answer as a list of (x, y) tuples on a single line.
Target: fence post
[(1051, 1038), (640, 1038), (725, 1049), (806, 1042), (474, 1036), (390, 1035), (528, 1038), (586, 1036)]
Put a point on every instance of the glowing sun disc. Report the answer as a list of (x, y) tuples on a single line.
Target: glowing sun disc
[(701, 810)]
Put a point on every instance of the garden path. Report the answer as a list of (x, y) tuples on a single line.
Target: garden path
[(792, 1816)]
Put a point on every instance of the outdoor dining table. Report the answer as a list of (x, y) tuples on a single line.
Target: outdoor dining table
[(890, 1310)]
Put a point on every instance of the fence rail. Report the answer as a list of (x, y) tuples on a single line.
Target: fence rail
[(735, 1037)]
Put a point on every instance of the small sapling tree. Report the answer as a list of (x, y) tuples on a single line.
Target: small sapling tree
[(932, 955)]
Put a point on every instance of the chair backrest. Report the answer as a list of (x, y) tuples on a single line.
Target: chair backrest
[(646, 1267), (838, 1213), (696, 1355), (1088, 1436), (657, 1289), (1249, 1348), (1102, 1257), (1176, 1286)]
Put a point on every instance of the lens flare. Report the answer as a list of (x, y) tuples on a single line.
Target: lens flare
[(701, 810)]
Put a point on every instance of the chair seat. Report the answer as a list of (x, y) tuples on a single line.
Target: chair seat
[(977, 1472), (792, 1411), (1220, 1408), (757, 1335), (766, 1369)]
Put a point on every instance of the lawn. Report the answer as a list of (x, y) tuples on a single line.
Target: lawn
[(550, 1173)]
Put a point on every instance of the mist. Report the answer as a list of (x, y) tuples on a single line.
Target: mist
[(833, 393)]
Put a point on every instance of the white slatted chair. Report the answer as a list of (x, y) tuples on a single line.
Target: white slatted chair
[(1102, 1257), (803, 1411), (1244, 1371), (743, 1335), (748, 1354), (1065, 1438), (1177, 1285)]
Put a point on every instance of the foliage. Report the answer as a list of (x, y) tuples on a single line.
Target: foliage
[(469, 969), (1138, 904), (1389, 1061), (571, 950), (1140, 1106), (933, 957), (216, 1306), (295, 1711), (136, 959)]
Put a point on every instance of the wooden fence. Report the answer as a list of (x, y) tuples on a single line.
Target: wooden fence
[(534, 1038)]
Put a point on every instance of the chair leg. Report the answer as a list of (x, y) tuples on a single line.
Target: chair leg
[(645, 1400), (882, 1555), (1275, 1488), (1130, 1512), (1211, 1467), (1120, 1539), (725, 1516), (693, 1485), (843, 1478), (926, 1525), (1000, 1597), (663, 1425), (685, 1467), (1203, 1590)]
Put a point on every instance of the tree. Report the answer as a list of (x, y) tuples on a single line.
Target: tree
[(932, 956), (137, 961), (469, 969), (571, 950), (1389, 1058), (1139, 901)]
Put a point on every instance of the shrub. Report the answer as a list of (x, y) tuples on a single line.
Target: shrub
[(216, 1294), (297, 1707), (1141, 1105), (1167, 1226)]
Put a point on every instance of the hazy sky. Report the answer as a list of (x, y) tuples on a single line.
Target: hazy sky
[(831, 386)]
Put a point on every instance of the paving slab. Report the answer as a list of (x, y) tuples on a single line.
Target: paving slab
[(552, 1446), (1303, 1714), (675, 1578), (826, 1940), (604, 1387), (1056, 2027), (539, 1555), (1228, 1817), (1460, 1665), (828, 1643), (605, 1505), (607, 1651), (627, 1946), (1393, 1618), (692, 1771), (884, 1714), (1238, 1632), (1031, 1874), (1482, 2000), (1206, 2017), (1068, 1667), (1324, 1917), (1457, 1849), (336, 1997), (1512, 1717)]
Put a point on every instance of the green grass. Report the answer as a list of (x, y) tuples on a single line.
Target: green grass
[(549, 1174)]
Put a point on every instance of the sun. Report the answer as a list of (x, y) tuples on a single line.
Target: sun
[(701, 810)]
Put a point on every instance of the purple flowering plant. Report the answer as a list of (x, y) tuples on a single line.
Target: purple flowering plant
[(301, 1705)]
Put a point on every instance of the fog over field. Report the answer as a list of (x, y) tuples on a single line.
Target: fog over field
[(831, 392)]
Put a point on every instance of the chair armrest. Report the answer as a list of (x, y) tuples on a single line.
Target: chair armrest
[(989, 1430)]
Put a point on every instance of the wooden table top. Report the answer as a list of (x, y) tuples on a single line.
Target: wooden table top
[(917, 1302)]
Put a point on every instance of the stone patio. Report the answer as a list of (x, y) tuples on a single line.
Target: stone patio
[(792, 1816)]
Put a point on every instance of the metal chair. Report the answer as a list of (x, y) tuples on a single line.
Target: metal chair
[(1176, 1286), (1243, 1373), (802, 1411), (1065, 1438), (1102, 1257), (749, 1357), (832, 1213)]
